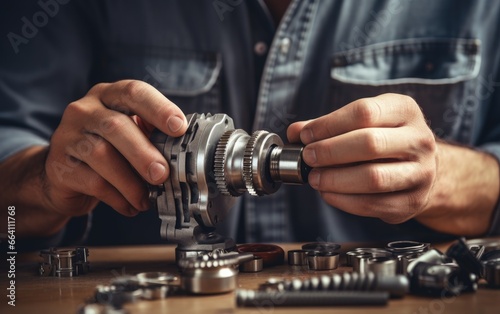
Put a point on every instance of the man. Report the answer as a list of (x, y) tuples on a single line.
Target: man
[(396, 102)]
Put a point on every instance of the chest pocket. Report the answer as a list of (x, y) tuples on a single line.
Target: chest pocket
[(438, 73), (190, 79)]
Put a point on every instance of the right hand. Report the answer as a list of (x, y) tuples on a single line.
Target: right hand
[(101, 152)]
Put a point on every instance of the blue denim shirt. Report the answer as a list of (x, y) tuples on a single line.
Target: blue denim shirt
[(227, 56)]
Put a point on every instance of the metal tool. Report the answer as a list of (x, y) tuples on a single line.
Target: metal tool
[(309, 298), (466, 259), (64, 262), (209, 165), (396, 286)]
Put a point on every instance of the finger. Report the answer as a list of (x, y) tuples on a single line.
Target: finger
[(393, 208), (387, 110), (122, 132), (369, 144), (106, 161), (82, 179), (293, 131), (142, 99), (368, 178)]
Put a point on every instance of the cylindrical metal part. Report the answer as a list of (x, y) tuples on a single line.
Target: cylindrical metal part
[(209, 280), (64, 260), (321, 247), (382, 266), (297, 258), (271, 254), (286, 165), (253, 266), (310, 298), (360, 261), (375, 252), (323, 260), (492, 273)]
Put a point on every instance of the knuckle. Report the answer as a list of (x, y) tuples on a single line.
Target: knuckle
[(76, 109), (376, 143), (98, 88), (114, 122), (134, 90), (378, 179), (367, 111)]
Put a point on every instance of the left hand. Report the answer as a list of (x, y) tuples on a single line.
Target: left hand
[(375, 157)]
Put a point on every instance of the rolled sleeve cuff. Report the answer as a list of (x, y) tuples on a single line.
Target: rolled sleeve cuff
[(14, 140)]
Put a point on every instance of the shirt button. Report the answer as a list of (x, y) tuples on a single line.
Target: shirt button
[(285, 45), (260, 48)]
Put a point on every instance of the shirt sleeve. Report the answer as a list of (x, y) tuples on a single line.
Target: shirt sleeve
[(44, 66)]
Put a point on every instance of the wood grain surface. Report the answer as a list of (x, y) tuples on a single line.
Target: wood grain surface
[(35, 294)]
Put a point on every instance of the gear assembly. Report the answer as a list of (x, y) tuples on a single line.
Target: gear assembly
[(210, 165)]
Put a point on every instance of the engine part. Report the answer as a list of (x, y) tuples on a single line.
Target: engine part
[(156, 285), (321, 247), (252, 266), (434, 279), (246, 298), (297, 258), (64, 262), (211, 274), (488, 244), (374, 252), (382, 266), (406, 251), (360, 262), (209, 165), (467, 260), (271, 254), (396, 286), (322, 260), (492, 273)]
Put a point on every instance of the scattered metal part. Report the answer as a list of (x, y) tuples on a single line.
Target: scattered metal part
[(213, 155), (396, 286), (297, 258), (434, 279), (433, 256), (157, 285), (64, 262), (252, 266), (382, 266), (211, 274), (95, 308), (271, 254), (490, 255), (375, 252), (492, 273), (360, 261), (246, 298), (405, 251), (489, 244), (322, 260), (467, 260)]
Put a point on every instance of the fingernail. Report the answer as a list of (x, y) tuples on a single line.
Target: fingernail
[(175, 123), (309, 156), (156, 171), (314, 177), (306, 136)]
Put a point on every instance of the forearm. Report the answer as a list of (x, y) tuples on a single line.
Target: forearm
[(22, 186), (465, 193)]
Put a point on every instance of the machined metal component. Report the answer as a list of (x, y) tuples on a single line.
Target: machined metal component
[(405, 251), (211, 274), (321, 247), (252, 266), (492, 273), (396, 286), (271, 254), (467, 260), (374, 252), (489, 244), (209, 164), (322, 260), (297, 258), (64, 262), (382, 266), (245, 298)]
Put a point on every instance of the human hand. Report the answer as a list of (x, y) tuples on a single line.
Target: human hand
[(101, 151), (375, 157)]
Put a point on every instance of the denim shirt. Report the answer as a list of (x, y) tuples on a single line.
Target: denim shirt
[(228, 56)]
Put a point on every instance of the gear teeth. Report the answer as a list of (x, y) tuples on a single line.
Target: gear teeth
[(220, 162), (247, 162)]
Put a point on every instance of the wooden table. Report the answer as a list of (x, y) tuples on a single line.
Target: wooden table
[(51, 295)]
